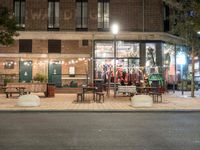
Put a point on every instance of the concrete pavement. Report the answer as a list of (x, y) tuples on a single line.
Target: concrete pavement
[(67, 102)]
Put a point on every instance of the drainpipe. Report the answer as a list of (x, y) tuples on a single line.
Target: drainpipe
[(175, 70), (92, 60)]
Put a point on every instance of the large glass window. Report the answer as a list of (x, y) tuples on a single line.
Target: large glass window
[(169, 63), (104, 49), (19, 9), (150, 55), (103, 14), (81, 14), (127, 62), (53, 14), (128, 49)]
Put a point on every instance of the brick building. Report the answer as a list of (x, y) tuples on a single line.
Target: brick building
[(70, 40)]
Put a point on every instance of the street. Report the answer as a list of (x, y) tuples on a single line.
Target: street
[(99, 131)]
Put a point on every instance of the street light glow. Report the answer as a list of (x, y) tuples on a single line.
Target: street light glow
[(115, 29), (181, 58), (198, 32)]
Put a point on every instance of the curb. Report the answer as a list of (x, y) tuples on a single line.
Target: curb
[(104, 111)]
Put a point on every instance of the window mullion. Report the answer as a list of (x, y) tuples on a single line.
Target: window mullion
[(20, 3), (103, 13), (81, 14), (54, 14)]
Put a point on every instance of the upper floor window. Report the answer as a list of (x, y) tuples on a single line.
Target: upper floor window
[(166, 14), (19, 10), (54, 46), (103, 14), (25, 46), (53, 14), (81, 14)]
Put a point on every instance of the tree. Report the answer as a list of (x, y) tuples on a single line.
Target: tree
[(186, 24), (8, 27)]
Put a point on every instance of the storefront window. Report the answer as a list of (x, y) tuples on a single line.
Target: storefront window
[(150, 55), (128, 49), (169, 63), (127, 61), (104, 69), (104, 50)]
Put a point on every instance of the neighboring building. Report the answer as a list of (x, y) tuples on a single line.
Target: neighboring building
[(70, 39)]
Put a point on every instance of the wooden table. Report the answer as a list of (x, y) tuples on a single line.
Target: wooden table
[(11, 90), (146, 90), (88, 89)]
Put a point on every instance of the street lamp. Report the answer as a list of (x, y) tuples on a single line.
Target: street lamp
[(181, 60), (115, 31)]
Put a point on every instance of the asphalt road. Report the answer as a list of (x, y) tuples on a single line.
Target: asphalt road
[(99, 131)]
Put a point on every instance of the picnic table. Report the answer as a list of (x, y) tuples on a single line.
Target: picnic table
[(14, 90)]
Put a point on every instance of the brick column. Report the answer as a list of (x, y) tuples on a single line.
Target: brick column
[(142, 54), (159, 54)]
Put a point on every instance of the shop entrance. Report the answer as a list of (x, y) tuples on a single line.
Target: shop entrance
[(25, 73), (54, 73)]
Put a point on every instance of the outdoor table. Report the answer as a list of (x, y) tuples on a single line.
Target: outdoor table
[(146, 90), (14, 89), (89, 89)]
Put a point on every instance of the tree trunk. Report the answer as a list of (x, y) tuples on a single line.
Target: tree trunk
[(192, 81)]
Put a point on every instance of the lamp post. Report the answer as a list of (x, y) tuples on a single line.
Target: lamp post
[(115, 31), (181, 60)]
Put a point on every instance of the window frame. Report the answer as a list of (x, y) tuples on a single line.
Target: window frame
[(103, 28), (20, 23), (53, 28), (81, 17), (58, 44), (25, 43)]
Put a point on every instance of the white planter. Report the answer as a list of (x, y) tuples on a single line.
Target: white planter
[(142, 101), (29, 100)]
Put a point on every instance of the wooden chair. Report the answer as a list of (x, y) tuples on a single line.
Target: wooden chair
[(99, 96), (79, 96)]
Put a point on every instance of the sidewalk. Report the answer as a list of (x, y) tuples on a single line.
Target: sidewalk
[(67, 102)]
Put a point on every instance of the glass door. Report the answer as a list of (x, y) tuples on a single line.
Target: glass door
[(54, 73)]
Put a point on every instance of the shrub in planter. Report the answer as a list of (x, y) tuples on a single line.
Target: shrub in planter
[(40, 78)]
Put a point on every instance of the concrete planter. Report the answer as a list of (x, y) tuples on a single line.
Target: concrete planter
[(141, 101)]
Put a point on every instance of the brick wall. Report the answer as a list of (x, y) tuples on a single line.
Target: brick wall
[(128, 13), (36, 14), (75, 47), (153, 15), (9, 71), (7, 3), (67, 15), (14, 48), (40, 46), (92, 15)]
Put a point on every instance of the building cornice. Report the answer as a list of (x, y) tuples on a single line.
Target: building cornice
[(42, 56), (63, 35)]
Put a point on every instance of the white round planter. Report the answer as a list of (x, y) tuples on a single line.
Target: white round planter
[(29, 100), (141, 101)]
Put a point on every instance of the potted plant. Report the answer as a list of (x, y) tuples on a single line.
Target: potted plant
[(40, 78)]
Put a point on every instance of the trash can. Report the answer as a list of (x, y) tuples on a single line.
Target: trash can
[(50, 90)]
